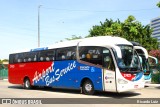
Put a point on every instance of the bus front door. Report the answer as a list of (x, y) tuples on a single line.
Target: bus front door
[(109, 77), (109, 81)]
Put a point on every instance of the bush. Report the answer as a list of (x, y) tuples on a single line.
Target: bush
[(155, 53), (156, 75), (156, 78)]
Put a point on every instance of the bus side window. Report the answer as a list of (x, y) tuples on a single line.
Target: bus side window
[(16, 58), (59, 54), (67, 53), (20, 57), (11, 58), (30, 57), (91, 54), (50, 55), (47, 55), (108, 60)]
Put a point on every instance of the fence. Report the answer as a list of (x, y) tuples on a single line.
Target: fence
[(3, 71)]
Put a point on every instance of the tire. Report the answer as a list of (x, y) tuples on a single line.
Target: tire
[(88, 88), (27, 84)]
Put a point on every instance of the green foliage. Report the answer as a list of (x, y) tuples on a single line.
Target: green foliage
[(4, 60), (131, 29), (156, 75), (155, 53), (156, 78), (158, 4)]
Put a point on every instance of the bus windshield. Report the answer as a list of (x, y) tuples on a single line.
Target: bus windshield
[(129, 61), (145, 64)]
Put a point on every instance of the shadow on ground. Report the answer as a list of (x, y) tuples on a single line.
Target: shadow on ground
[(71, 91), (157, 87)]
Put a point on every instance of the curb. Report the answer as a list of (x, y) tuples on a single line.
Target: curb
[(4, 79), (153, 85)]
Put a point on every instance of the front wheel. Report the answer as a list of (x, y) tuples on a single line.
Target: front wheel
[(27, 84), (88, 87)]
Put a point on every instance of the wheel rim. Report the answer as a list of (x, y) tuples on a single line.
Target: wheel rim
[(88, 87), (27, 84)]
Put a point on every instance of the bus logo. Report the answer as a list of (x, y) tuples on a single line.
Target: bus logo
[(127, 75), (84, 67), (12, 66)]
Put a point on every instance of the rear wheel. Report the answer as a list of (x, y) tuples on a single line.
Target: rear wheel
[(27, 83), (88, 87)]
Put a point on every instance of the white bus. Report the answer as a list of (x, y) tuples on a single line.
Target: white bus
[(103, 63), (148, 62)]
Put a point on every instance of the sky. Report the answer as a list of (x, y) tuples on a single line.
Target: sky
[(60, 19)]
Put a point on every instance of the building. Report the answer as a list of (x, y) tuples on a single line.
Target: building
[(155, 24)]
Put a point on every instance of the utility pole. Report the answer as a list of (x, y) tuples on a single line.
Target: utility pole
[(39, 25)]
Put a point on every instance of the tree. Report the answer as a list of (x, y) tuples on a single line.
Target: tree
[(158, 4), (131, 29), (155, 53), (5, 60)]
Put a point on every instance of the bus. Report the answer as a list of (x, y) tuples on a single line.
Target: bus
[(103, 63), (148, 62)]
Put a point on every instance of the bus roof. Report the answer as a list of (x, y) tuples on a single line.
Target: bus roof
[(91, 41), (135, 43), (142, 49)]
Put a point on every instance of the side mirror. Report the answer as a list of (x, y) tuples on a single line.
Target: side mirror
[(152, 60)]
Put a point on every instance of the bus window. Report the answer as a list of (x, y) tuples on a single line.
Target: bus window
[(91, 54), (11, 58), (30, 57), (16, 58), (68, 53), (20, 58), (108, 60), (47, 55)]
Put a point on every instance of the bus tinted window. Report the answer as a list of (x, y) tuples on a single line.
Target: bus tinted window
[(108, 60), (68, 53), (48, 55), (30, 57), (11, 58), (19, 58), (91, 54), (16, 58)]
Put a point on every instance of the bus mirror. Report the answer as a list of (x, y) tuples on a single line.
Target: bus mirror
[(152, 61), (140, 59)]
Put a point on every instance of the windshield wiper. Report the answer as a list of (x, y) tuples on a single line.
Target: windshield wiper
[(130, 69)]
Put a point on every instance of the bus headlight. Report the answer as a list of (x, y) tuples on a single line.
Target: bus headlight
[(121, 81)]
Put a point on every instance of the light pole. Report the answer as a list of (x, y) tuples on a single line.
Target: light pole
[(39, 25)]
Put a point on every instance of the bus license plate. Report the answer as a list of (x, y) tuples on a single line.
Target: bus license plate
[(135, 86)]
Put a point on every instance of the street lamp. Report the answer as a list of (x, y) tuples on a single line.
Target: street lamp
[(39, 25)]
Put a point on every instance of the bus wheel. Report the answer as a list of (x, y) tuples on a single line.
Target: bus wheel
[(27, 84), (88, 87)]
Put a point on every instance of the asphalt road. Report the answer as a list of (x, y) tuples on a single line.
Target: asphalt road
[(8, 90)]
